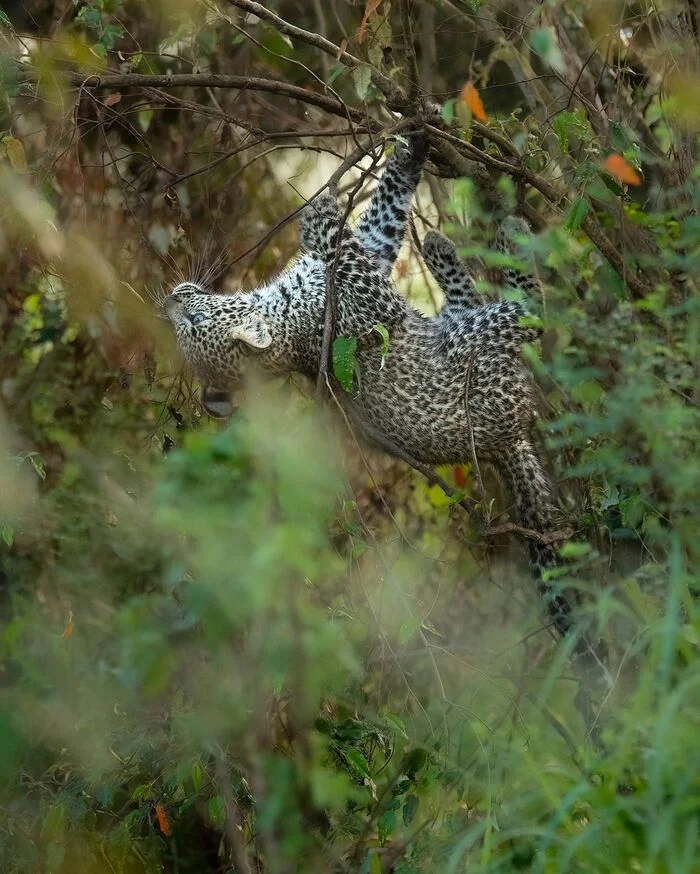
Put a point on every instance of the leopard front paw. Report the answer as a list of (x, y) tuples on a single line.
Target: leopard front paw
[(413, 153)]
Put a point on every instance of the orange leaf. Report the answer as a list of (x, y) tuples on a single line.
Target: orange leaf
[(616, 166), (371, 6), (68, 630), (460, 476), (163, 821), (113, 98), (470, 96)]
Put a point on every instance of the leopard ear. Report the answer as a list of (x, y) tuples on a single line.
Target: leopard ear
[(252, 330), (217, 403)]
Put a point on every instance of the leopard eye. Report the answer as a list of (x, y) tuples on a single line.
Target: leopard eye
[(198, 318)]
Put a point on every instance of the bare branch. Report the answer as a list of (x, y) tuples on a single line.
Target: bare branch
[(212, 80)]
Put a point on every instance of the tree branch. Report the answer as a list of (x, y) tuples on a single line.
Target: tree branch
[(213, 80), (394, 95)]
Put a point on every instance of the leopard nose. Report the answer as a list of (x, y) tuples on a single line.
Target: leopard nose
[(171, 303)]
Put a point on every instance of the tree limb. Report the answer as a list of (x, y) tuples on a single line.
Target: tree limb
[(215, 80)]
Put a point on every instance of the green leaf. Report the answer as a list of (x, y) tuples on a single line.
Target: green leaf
[(414, 761), (356, 761), (447, 113), (4, 20), (344, 349), (37, 463), (572, 549), (386, 824), (569, 124), (396, 723), (335, 72), (408, 629), (384, 334), (144, 118), (543, 42), (362, 77), (217, 810), (619, 140), (197, 776), (409, 809), (7, 532), (614, 186), (276, 42), (359, 548), (464, 115), (577, 214)]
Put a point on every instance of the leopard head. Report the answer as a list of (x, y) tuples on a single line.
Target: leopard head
[(218, 335)]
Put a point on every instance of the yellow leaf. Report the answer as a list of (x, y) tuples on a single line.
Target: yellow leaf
[(470, 96), (15, 152), (616, 166), (371, 7)]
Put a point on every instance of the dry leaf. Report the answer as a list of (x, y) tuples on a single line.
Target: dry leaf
[(163, 821), (68, 630), (371, 6), (113, 98), (470, 96), (460, 476), (616, 166)]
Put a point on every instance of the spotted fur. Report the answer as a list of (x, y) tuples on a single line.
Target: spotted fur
[(417, 394), (521, 275), (451, 273)]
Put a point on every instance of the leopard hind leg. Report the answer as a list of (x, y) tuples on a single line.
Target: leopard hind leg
[(449, 271), (521, 275)]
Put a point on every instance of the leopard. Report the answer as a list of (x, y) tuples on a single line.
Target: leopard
[(450, 386)]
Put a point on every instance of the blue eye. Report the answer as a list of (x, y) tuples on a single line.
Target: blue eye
[(198, 318)]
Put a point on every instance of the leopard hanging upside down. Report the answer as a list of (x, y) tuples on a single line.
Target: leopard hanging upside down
[(417, 394)]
